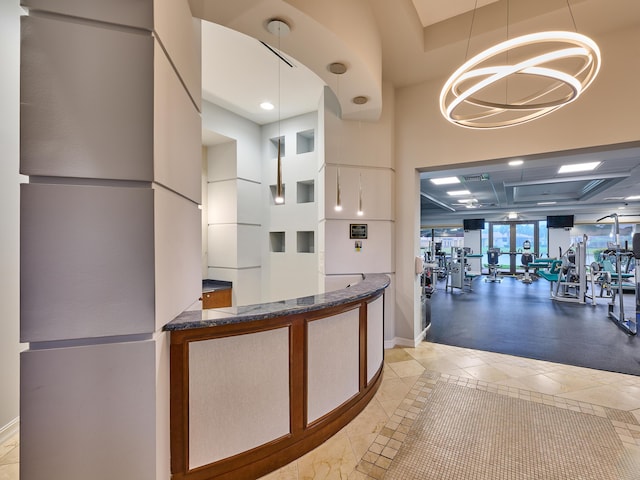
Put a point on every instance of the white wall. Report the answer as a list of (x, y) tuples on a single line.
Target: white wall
[(473, 240), (232, 203), (605, 114), (204, 220), (291, 273), (242, 213), (360, 150), (559, 238), (10, 214)]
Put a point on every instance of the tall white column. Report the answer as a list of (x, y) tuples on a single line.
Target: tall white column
[(110, 230), (10, 215)]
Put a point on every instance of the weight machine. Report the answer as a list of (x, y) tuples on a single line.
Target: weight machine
[(459, 272), (571, 283), (628, 323), (440, 258)]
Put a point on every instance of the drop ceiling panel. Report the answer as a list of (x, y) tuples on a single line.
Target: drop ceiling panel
[(549, 191)]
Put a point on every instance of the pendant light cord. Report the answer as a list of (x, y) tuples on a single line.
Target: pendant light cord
[(506, 82), (279, 83), (573, 20), (508, 12), (473, 18), (338, 197)]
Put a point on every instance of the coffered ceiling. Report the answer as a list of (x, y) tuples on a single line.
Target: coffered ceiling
[(535, 188)]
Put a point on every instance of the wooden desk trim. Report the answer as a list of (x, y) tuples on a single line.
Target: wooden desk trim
[(303, 437)]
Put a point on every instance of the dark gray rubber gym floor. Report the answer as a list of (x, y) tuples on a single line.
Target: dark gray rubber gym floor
[(520, 319)]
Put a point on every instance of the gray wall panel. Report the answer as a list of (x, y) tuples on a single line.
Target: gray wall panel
[(86, 101), (133, 13), (178, 133), (177, 251), (88, 412), (87, 262)]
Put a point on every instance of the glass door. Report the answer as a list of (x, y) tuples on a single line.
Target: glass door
[(510, 237), (524, 232), (500, 237)]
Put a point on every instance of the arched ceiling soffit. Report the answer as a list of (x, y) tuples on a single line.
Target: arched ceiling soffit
[(321, 33)]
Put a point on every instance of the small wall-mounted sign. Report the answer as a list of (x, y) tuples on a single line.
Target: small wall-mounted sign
[(358, 230)]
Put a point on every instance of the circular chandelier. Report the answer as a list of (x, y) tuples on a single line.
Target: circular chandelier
[(547, 71)]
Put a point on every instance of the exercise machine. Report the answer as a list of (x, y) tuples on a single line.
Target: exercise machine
[(493, 256), (459, 274), (572, 277), (440, 259), (525, 259), (613, 266), (628, 323)]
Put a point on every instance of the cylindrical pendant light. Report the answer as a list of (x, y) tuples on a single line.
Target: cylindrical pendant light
[(279, 27), (279, 194), (338, 69), (338, 206), (360, 212)]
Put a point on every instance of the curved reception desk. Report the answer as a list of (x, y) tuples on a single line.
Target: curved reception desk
[(255, 387)]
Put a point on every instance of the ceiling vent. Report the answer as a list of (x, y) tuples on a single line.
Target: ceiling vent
[(476, 178)]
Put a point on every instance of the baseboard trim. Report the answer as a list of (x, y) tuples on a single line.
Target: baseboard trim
[(9, 430), (407, 342), (399, 342), (389, 344)]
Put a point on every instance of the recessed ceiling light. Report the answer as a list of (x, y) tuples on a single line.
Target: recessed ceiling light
[(547, 203), (614, 198), (513, 215), (457, 193), (267, 106), (515, 163), (578, 167), (445, 180), (467, 200), (633, 197)]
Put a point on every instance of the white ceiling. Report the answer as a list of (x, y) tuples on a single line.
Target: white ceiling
[(244, 73), (238, 72), (423, 40), (434, 11)]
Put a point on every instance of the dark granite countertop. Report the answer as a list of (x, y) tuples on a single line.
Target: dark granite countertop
[(198, 318)]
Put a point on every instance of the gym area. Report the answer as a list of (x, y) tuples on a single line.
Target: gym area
[(579, 307)]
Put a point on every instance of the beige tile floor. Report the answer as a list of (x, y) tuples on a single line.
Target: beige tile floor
[(396, 405), (9, 457), (357, 452)]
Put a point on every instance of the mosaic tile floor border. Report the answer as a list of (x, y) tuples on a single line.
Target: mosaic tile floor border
[(376, 461)]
